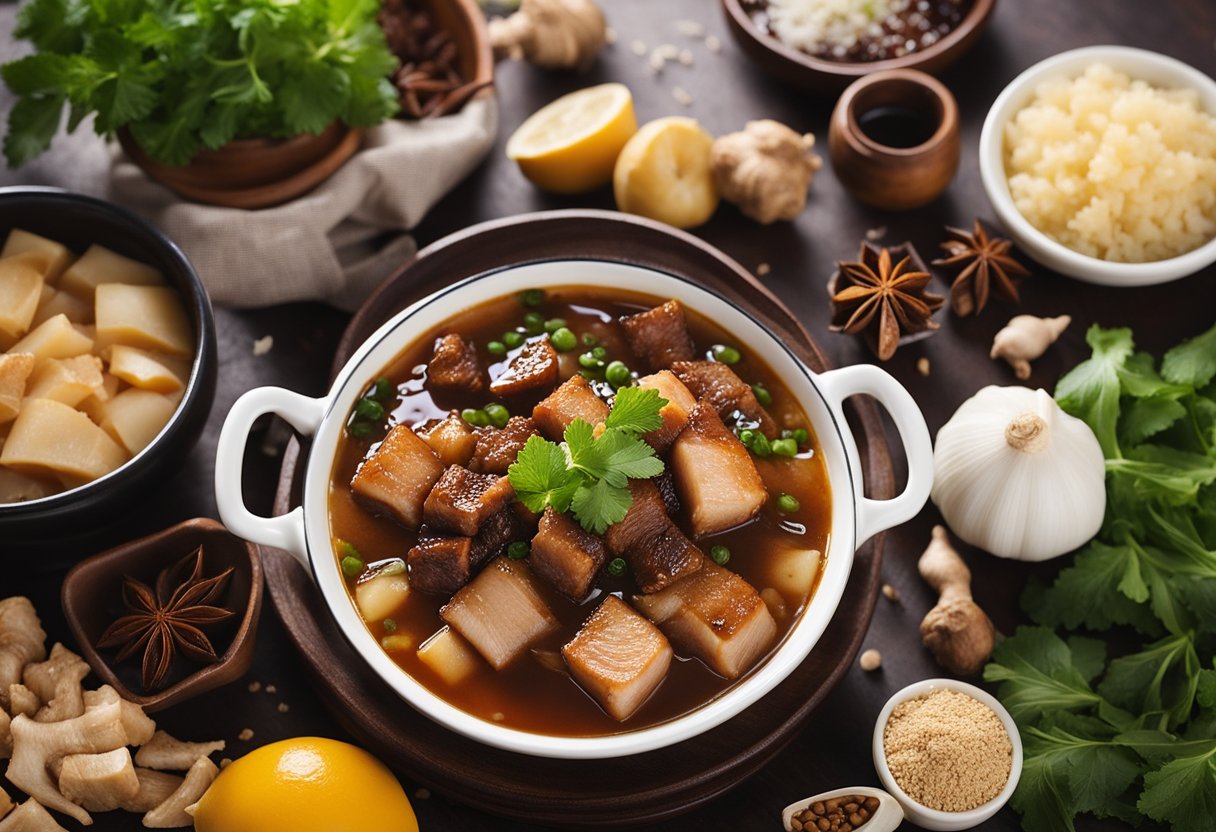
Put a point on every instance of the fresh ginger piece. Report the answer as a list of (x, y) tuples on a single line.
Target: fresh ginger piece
[(957, 632), (152, 317), (172, 814), (60, 302), (53, 258), (6, 802), (148, 370), (15, 370), (99, 782), (49, 437), (98, 266), (30, 816), (55, 337), (449, 656), (22, 640), (20, 290), (165, 752), (67, 380), (134, 417)]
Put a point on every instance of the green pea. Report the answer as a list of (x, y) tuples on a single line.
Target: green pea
[(518, 550), (617, 374), (748, 437), (360, 429), (383, 390), (589, 340), (563, 340), (720, 554), (532, 297), (476, 418), (600, 352), (497, 414), (762, 395), (788, 503), (725, 354), (496, 348), (589, 361), (534, 322), (616, 567), (801, 436), (512, 339), (554, 324), (369, 409), (760, 445), (352, 567), (590, 375), (390, 626), (784, 447)]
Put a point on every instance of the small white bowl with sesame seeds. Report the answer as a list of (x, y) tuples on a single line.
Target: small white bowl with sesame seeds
[(937, 819)]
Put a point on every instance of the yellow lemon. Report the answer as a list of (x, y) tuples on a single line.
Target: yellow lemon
[(570, 145), (307, 784), (664, 173)]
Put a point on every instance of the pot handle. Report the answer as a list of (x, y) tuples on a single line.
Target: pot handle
[(874, 516), (286, 531)]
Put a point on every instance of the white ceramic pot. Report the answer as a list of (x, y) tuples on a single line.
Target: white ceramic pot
[(1158, 70), (305, 532)]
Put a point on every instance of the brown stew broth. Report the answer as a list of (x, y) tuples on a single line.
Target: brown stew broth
[(528, 695)]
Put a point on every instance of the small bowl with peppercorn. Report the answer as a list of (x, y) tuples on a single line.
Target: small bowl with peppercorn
[(948, 752), (170, 616), (823, 46), (844, 810)]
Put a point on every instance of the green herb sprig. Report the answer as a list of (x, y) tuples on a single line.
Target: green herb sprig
[(1133, 736), (193, 75), (588, 475)]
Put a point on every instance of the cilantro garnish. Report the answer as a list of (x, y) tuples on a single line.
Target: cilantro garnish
[(1133, 736), (587, 474), (182, 77)]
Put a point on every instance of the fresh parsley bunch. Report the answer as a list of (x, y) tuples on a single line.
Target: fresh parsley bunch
[(188, 74), (589, 475), (1135, 736)]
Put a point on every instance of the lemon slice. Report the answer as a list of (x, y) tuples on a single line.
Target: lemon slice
[(571, 145), (664, 172)]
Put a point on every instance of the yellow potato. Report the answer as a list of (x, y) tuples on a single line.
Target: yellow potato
[(99, 265), (20, 291), (379, 597), (54, 257), (449, 656), (54, 338), (135, 417), (792, 572), (151, 317), (50, 438), (148, 370), (15, 369), (67, 380), (63, 303), (93, 405)]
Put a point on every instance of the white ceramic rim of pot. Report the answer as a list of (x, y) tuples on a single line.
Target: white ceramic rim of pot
[(918, 813), (1153, 67), (854, 518)]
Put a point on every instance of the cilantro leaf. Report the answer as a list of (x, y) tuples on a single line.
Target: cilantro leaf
[(600, 505), (1161, 679), (32, 124), (636, 410), (540, 477), (1183, 792), (627, 457), (1192, 362), (1090, 391)]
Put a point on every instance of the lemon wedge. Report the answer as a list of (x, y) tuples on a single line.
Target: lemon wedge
[(570, 145), (664, 172)]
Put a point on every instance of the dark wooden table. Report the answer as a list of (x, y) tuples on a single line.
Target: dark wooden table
[(834, 749)]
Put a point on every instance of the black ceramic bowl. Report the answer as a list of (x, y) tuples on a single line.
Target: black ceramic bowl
[(78, 221)]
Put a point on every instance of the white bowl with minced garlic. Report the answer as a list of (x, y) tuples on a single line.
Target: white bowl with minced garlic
[(1100, 163)]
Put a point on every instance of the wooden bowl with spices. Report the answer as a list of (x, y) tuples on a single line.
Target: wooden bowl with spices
[(445, 54), (805, 43), (206, 585)]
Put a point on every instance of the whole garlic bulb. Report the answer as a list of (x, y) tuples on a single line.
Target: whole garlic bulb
[(1017, 476)]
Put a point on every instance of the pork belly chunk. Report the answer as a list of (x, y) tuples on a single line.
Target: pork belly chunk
[(397, 477), (715, 616), (566, 556), (660, 336), (455, 365), (618, 657), (646, 519), (440, 564), (659, 562), (674, 414), (452, 439), (573, 400), (461, 500), (716, 478), (501, 612), (496, 448), (533, 368), (728, 393)]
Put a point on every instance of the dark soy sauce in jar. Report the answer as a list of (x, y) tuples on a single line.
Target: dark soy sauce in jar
[(893, 125)]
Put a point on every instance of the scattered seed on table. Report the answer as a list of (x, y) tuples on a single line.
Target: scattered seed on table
[(682, 96), (763, 269), (922, 366), (690, 28), (870, 660), (876, 233), (246, 735), (685, 57), (890, 593), (638, 47), (263, 345), (712, 43), (657, 61), (271, 689), (284, 707), (254, 687)]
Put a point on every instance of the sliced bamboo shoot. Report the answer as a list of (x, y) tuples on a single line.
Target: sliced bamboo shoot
[(99, 265), (49, 437), (55, 337), (151, 317), (54, 257)]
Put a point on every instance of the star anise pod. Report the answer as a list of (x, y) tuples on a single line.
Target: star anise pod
[(167, 620), (985, 266), (882, 300)]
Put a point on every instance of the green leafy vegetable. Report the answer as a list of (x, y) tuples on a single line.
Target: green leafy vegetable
[(589, 474), (1133, 737), (186, 76)]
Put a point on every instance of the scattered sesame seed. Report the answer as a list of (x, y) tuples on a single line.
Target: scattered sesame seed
[(669, 51), (889, 593), (423, 794), (713, 44), (763, 269), (638, 47), (254, 687), (922, 366), (870, 660), (271, 689), (284, 707), (686, 57), (690, 28), (682, 96), (246, 735), (876, 233), (263, 345), (656, 61)]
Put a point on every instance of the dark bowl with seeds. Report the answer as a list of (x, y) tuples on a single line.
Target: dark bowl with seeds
[(167, 617)]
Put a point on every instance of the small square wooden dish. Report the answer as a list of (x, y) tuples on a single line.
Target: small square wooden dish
[(92, 600)]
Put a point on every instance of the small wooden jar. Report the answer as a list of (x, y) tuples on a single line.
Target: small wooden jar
[(885, 175)]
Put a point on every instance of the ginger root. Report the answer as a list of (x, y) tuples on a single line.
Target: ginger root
[(765, 170), (957, 632), (1024, 339), (552, 34)]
